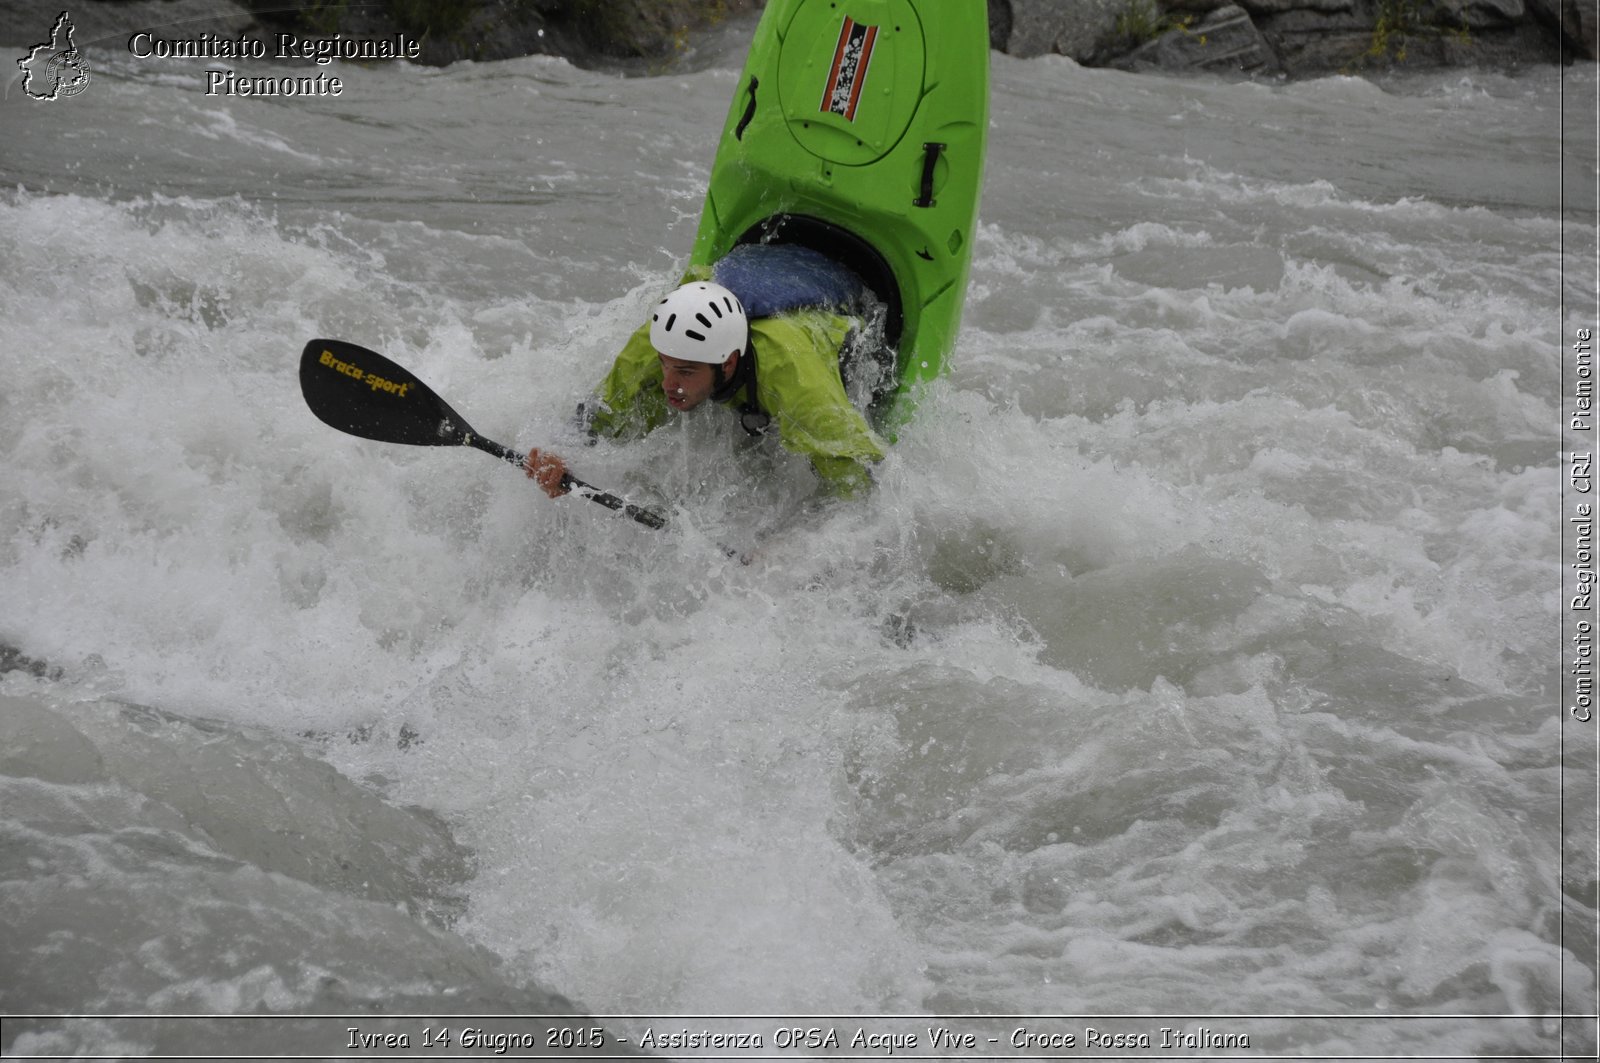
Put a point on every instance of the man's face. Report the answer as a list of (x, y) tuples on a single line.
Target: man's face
[(688, 384)]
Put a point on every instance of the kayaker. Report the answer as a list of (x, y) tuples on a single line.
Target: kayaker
[(776, 367)]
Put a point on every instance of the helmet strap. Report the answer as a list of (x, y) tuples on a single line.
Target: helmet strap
[(724, 386), (752, 417)]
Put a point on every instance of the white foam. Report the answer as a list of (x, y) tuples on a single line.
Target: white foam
[(1224, 541)]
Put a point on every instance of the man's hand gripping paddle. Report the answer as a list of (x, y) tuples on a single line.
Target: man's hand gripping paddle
[(365, 394)]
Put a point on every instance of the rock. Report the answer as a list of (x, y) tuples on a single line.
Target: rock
[(1084, 30), (1196, 7), (588, 32), (1576, 23), (1311, 41), (98, 24), (1301, 37), (1223, 41), (1298, 37), (1280, 7), (999, 24), (1415, 35), (1479, 13)]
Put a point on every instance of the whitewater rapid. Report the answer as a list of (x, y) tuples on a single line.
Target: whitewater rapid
[(1194, 655)]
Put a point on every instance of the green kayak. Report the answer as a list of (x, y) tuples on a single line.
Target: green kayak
[(858, 129)]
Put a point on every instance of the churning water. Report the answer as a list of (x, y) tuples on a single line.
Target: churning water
[(1196, 654)]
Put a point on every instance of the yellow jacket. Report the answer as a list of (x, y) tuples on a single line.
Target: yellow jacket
[(797, 384)]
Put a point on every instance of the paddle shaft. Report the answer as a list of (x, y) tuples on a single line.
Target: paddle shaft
[(644, 516)]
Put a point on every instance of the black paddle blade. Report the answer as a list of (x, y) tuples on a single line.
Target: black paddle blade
[(365, 394)]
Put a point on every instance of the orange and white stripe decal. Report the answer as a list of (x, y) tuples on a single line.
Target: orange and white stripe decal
[(848, 75)]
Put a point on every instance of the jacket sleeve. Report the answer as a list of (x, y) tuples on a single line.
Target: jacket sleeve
[(629, 402), (800, 387)]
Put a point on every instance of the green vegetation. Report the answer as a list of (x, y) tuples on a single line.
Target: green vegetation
[(1398, 21), (1402, 21), (1144, 20)]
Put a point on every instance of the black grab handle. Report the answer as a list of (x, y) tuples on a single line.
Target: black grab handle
[(930, 159), (749, 110)]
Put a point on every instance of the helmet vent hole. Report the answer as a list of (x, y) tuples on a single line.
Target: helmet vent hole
[(693, 335)]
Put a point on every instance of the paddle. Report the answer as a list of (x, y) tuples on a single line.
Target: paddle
[(365, 394)]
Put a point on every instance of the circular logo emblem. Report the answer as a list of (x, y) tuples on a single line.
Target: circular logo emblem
[(67, 72)]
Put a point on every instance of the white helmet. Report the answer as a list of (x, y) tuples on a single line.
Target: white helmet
[(700, 322)]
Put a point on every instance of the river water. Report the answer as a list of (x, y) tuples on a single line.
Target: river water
[(1195, 660)]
